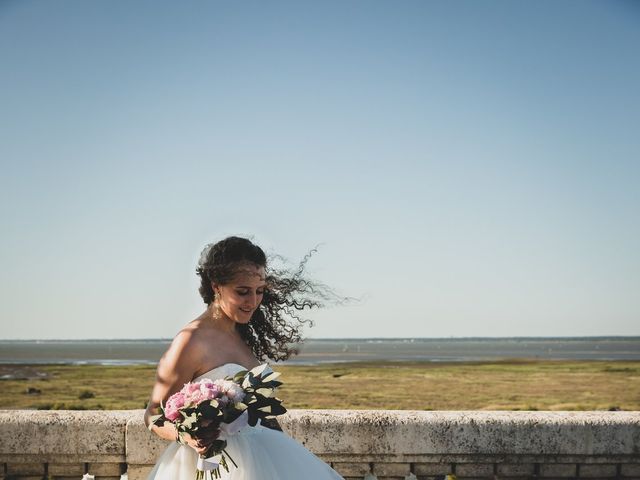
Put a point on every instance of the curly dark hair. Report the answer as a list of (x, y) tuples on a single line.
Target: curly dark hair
[(269, 334)]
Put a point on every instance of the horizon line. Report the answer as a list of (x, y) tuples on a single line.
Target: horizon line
[(452, 337)]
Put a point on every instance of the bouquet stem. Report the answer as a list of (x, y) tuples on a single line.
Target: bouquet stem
[(215, 472), (230, 458)]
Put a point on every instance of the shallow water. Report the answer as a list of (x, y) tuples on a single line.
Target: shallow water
[(315, 351)]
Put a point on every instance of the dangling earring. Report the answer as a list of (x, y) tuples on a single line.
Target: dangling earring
[(217, 310)]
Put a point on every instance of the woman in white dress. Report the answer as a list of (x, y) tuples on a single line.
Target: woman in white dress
[(243, 325)]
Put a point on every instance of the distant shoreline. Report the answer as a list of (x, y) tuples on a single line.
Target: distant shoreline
[(325, 339), (316, 352)]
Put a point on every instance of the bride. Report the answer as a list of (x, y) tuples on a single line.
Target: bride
[(242, 325)]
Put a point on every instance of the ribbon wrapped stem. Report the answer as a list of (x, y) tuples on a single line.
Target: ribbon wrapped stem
[(211, 465)]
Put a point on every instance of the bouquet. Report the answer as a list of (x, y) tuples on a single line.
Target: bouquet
[(227, 406)]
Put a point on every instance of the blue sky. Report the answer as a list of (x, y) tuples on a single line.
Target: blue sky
[(469, 168)]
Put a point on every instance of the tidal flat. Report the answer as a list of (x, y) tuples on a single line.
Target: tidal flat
[(496, 385)]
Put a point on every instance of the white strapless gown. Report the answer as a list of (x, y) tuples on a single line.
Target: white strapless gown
[(261, 453)]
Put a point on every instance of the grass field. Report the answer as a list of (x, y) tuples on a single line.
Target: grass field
[(504, 385)]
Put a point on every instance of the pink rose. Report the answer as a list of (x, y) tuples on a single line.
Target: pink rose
[(230, 390), (191, 388), (194, 398), (191, 393), (208, 389), (173, 406)]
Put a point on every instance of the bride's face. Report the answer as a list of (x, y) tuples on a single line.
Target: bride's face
[(239, 298)]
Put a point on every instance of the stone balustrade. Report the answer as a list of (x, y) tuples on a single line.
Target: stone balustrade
[(387, 444)]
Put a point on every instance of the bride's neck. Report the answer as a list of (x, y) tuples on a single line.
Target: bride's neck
[(221, 321)]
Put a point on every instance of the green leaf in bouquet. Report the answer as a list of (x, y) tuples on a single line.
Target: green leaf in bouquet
[(240, 406), (276, 405), (230, 415), (274, 384), (260, 369), (278, 409), (265, 392), (271, 377), (209, 409), (188, 411), (249, 398), (238, 377), (191, 421), (250, 380), (253, 417)]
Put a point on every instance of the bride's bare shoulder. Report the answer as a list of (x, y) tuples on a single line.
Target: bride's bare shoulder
[(190, 341)]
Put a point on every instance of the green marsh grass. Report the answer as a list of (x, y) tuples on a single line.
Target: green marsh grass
[(501, 385)]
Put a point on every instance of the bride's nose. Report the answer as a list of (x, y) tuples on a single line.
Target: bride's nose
[(252, 301)]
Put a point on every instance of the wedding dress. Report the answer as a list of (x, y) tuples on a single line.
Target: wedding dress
[(260, 453)]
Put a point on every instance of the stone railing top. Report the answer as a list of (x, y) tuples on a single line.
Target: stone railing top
[(123, 433), (64, 431), (467, 432)]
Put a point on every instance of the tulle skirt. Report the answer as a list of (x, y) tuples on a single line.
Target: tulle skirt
[(259, 452)]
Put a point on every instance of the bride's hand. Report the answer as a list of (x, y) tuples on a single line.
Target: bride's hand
[(202, 442)]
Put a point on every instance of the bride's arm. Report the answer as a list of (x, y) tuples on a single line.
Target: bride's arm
[(176, 367)]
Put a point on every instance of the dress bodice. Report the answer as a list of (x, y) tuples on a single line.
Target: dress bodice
[(225, 370)]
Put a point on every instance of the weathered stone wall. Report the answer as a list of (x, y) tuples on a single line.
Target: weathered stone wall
[(388, 444)]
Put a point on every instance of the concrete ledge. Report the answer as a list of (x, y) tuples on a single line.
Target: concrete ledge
[(391, 443), (72, 433), (466, 433), (143, 447)]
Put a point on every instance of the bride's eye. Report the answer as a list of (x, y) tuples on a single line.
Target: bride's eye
[(246, 292)]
